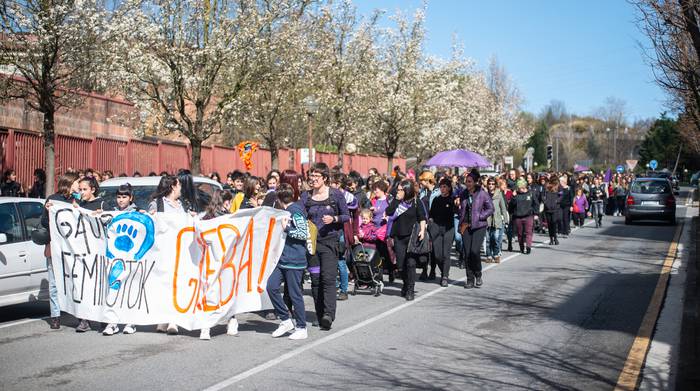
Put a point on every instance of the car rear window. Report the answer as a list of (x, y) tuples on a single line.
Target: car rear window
[(650, 187), (142, 196)]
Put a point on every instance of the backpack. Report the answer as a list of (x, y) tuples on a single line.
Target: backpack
[(311, 240), (313, 229)]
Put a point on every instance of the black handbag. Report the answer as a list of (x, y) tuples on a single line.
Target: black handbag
[(419, 247)]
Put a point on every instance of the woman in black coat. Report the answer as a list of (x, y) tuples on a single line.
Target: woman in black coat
[(404, 213)]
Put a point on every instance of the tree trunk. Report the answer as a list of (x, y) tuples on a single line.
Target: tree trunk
[(196, 156), (341, 156), (49, 151), (275, 156), (390, 162)]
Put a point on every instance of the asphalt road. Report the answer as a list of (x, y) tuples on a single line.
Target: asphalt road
[(563, 317)]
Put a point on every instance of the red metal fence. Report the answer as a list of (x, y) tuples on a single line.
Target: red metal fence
[(24, 152)]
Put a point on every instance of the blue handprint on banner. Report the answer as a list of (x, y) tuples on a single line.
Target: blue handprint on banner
[(132, 234)]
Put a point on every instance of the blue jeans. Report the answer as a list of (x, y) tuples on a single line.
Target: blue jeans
[(53, 291), (494, 238), (343, 271), (458, 236), (292, 281)]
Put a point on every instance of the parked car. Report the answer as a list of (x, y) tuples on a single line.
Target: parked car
[(144, 187), (650, 199), (23, 273), (694, 179)]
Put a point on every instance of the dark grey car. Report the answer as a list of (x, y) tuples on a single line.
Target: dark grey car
[(650, 199)]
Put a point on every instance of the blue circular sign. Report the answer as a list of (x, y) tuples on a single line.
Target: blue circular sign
[(653, 164), (620, 169)]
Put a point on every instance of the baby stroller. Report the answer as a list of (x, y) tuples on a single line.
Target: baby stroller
[(367, 270)]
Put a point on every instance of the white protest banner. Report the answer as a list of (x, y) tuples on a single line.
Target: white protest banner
[(132, 267)]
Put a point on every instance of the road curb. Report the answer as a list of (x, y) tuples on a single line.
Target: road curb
[(689, 356)]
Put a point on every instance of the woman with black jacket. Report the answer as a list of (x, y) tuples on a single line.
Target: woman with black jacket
[(566, 205), (10, 187), (404, 213), (66, 191), (442, 212), (552, 210), (523, 207)]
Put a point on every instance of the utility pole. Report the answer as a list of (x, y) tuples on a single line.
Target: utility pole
[(556, 140)]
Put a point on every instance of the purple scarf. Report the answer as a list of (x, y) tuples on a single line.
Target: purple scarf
[(403, 206)]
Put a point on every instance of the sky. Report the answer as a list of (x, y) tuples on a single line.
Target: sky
[(578, 52)]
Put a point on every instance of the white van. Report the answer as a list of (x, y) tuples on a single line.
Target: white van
[(23, 275)]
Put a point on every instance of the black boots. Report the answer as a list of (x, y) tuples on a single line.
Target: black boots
[(431, 275), (551, 241), (479, 282), (470, 280), (528, 250)]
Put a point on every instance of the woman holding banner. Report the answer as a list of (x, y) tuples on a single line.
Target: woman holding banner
[(67, 191), (166, 199)]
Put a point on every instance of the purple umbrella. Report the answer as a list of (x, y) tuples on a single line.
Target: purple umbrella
[(458, 158)]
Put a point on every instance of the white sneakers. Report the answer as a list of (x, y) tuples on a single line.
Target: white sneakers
[(111, 329), (232, 328), (204, 335), (172, 329), (287, 326), (284, 327), (299, 334)]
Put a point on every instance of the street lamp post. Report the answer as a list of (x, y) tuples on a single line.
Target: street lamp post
[(311, 105)]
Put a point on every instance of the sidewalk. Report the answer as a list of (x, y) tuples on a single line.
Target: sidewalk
[(689, 356)]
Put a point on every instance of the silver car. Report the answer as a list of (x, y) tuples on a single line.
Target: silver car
[(650, 199)]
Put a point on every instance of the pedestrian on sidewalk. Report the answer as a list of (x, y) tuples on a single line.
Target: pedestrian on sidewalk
[(507, 196), (475, 208), (523, 207)]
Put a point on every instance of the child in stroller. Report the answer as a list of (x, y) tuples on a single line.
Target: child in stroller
[(366, 264)]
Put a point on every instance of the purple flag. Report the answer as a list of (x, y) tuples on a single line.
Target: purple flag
[(608, 176)]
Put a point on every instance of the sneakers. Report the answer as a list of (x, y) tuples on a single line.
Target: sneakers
[(342, 296), (172, 329), (129, 329), (55, 323), (299, 334), (232, 328), (111, 329), (443, 282), (162, 328), (497, 259), (489, 259), (284, 327), (479, 282), (83, 326), (469, 284), (205, 335), (326, 322)]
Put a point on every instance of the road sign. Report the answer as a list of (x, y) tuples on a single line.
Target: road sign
[(304, 155), (620, 169), (653, 164), (508, 160), (631, 164)]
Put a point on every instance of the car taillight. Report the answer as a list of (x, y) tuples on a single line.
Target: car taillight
[(630, 200), (671, 201)]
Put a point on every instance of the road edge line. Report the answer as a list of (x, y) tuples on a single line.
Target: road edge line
[(631, 372)]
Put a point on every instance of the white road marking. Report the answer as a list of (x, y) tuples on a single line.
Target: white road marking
[(19, 322), (271, 363)]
